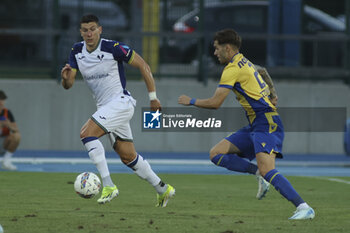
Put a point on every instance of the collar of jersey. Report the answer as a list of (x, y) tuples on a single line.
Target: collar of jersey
[(234, 57), (98, 44)]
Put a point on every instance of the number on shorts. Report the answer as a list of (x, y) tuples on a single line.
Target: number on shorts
[(272, 125)]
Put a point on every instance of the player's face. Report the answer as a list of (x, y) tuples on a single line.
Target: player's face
[(91, 34), (221, 52)]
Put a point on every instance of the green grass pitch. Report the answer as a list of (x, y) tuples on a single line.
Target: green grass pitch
[(47, 203)]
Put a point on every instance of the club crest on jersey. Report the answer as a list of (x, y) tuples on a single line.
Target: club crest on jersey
[(100, 57)]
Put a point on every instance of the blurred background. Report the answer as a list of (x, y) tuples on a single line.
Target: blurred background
[(304, 39), (304, 44)]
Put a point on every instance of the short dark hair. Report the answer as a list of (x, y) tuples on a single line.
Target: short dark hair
[(89, 18), (3, 96), (228, 36)]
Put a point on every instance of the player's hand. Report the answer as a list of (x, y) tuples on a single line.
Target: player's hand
[(68, 76), (184, 100), (65, 72), (155, 105), (274, 100)]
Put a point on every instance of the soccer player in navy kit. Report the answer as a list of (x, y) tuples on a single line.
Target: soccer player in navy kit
[(100, 62), (262, 138)]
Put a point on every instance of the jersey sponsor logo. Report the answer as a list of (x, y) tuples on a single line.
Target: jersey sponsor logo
[(152, 120), (97, 76)]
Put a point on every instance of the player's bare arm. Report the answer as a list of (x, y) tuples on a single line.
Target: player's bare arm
[(146, 73), (68, 76), (213, 102), (267, 78)]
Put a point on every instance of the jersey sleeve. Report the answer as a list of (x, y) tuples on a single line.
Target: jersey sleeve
[(228, 78), (122, 52), (77, 48), (72, 60)]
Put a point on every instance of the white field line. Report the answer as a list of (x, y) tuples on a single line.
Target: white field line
[(331, 179), (34, 160), (338, 180), (110, 161)]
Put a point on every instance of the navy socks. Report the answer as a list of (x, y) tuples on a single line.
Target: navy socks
[(283, 186), (234, 163)]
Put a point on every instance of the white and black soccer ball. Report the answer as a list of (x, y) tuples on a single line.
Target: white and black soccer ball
[(87, 184)]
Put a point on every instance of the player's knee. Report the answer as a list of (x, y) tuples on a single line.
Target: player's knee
[(18, 137), (83, 134), (265, 163), (14, 138), (213, 152)]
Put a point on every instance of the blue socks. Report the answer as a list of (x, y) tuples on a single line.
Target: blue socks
[(283, 186), (234, 163)]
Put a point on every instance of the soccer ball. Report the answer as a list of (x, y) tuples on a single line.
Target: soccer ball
[(87, 185)]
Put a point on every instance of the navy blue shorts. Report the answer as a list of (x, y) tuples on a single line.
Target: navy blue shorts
[(264, 135)]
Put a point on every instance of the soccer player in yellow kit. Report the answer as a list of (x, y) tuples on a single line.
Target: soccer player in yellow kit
[(263, 137)]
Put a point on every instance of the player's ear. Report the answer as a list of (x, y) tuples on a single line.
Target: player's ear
[(100, 29)]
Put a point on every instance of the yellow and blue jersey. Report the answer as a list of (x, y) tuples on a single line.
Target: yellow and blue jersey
[(265, 131), (251, 90)]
